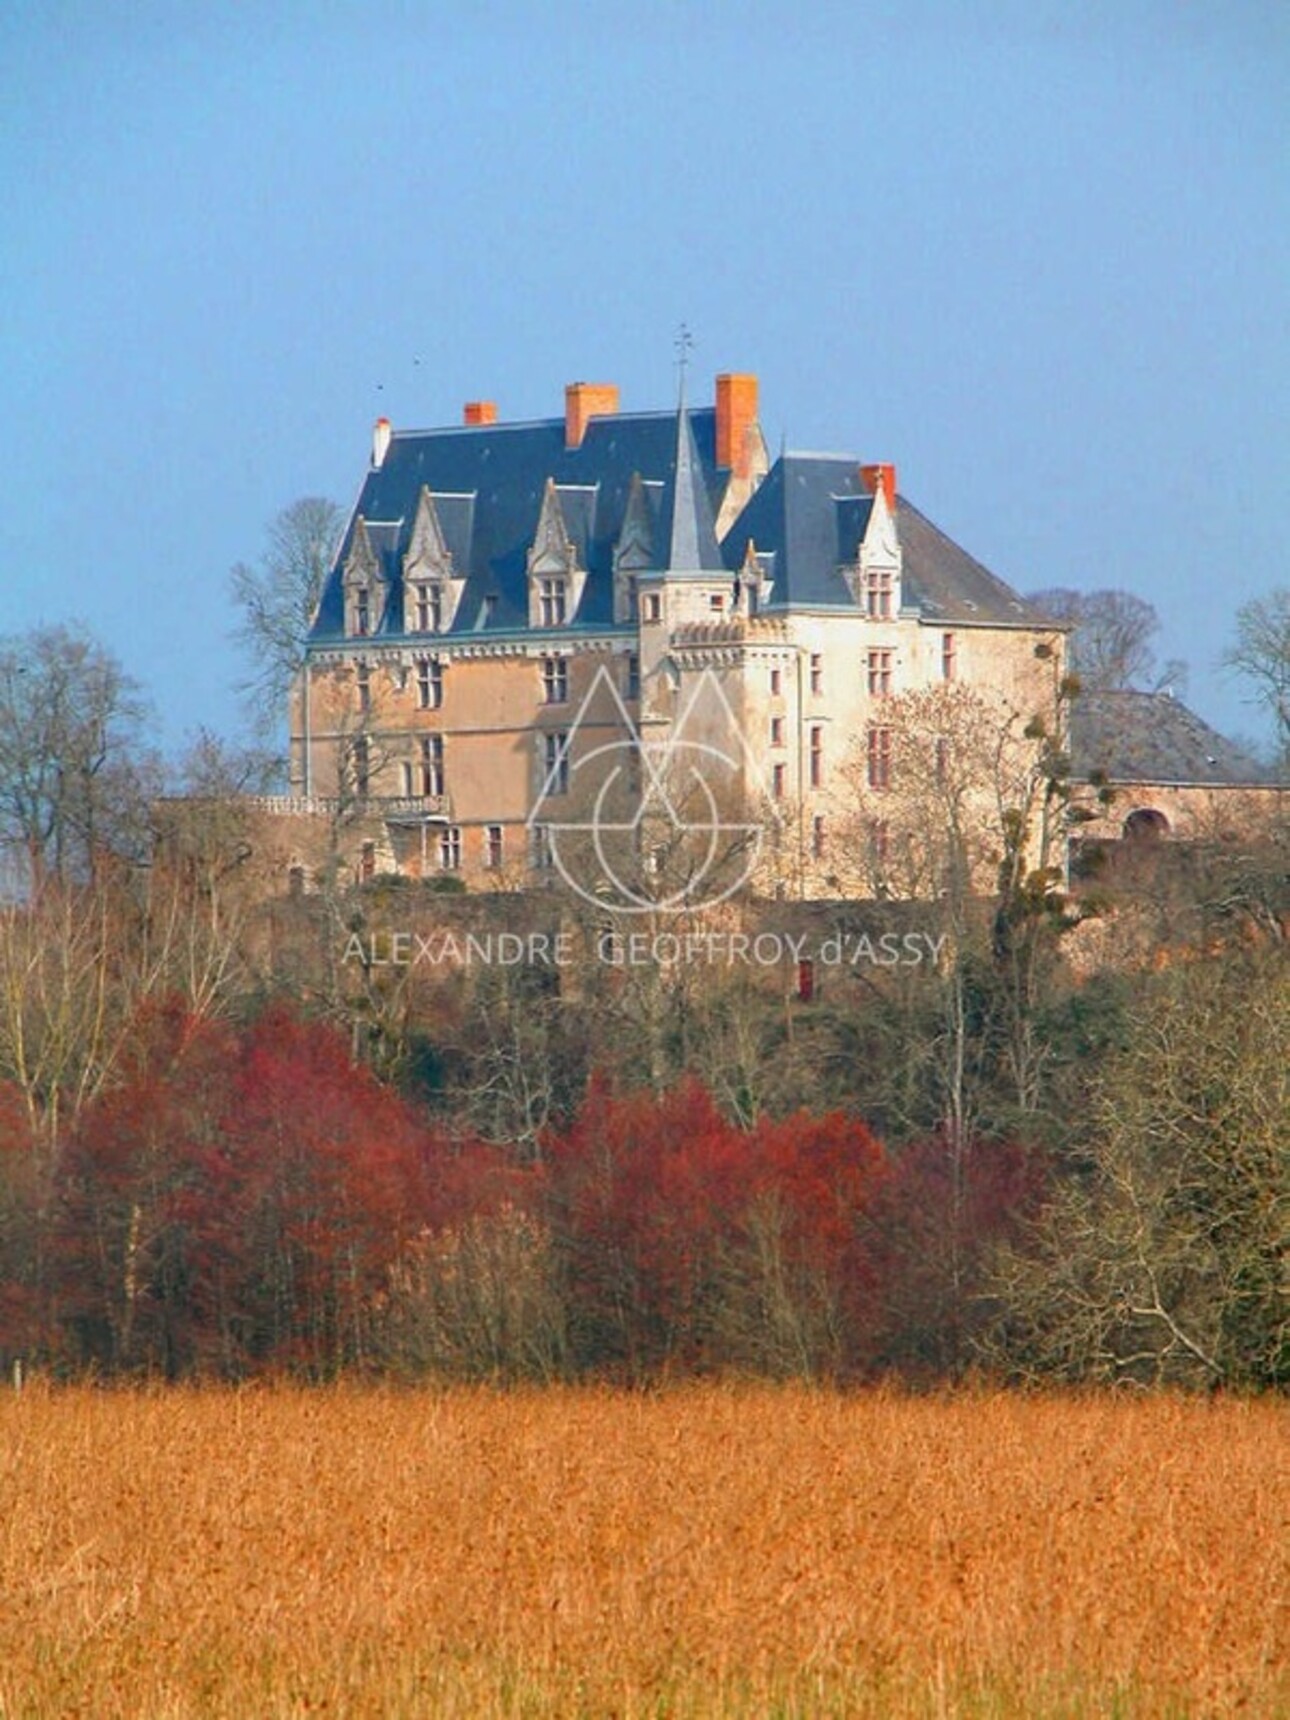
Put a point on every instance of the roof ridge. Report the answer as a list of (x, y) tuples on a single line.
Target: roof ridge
[(501, 426)]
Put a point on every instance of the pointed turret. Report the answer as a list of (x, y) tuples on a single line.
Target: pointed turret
[(689, 530)]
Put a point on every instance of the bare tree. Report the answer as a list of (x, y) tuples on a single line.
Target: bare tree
[(1165, 1261), (1111, 646), (1262, 655), (74, 777), (279, 598)]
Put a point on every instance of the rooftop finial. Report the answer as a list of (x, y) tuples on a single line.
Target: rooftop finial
[(684, 345)]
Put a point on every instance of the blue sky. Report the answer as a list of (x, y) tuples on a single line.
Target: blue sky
[(1033, 253)]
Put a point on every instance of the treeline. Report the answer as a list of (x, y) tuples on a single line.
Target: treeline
[(248, 1199)]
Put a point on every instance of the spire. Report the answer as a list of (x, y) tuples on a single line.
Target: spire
[(688, 526)]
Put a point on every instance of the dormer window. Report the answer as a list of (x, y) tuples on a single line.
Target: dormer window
[(874, 576), (552, 602), (555, 578), (432, 584), (429, 608), (364, 585), (634, 551), (878, 583)]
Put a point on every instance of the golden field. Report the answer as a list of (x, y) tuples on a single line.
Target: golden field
[(694, 1551)]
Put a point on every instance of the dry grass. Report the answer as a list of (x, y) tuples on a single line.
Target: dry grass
[(698, 1551)]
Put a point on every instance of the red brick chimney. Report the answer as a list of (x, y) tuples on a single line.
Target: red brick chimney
[(479, 412), (736, 418), (584, 401), (885, 476)]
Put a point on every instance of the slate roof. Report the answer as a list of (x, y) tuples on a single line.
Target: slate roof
[(810, 514), (488, 483), (806, 519), (1152, 737)]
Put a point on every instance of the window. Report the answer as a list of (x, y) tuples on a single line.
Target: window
[(632, 596), (543, 856), (551, 602), (450, 848), (362, 765), (493, 847), (367, 863), (879, 674), (429, 616), (633, 677), (716, 601), (777, 731), (877, 593), (555, 680), (819, 837), (948, 654), (754, 600), (776, 683), (778, 781), (490, 607), (363, 681), (653, 606), (879, 758), (429, 683), (817, 672), (406, 774), (432, 765), (555, 760), (362, 611), (817, 756)]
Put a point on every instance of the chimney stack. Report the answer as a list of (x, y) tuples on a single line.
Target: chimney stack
[(584, 401), (880, 477), (479, 412), (736, 420), (381, 433)]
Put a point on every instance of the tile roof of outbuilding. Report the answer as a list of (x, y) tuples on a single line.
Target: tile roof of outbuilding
[(1152, 737)]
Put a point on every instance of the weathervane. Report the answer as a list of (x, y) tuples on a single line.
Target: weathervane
[(684, 343)]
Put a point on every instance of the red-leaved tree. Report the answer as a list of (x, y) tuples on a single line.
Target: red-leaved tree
[(800, 1288)]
